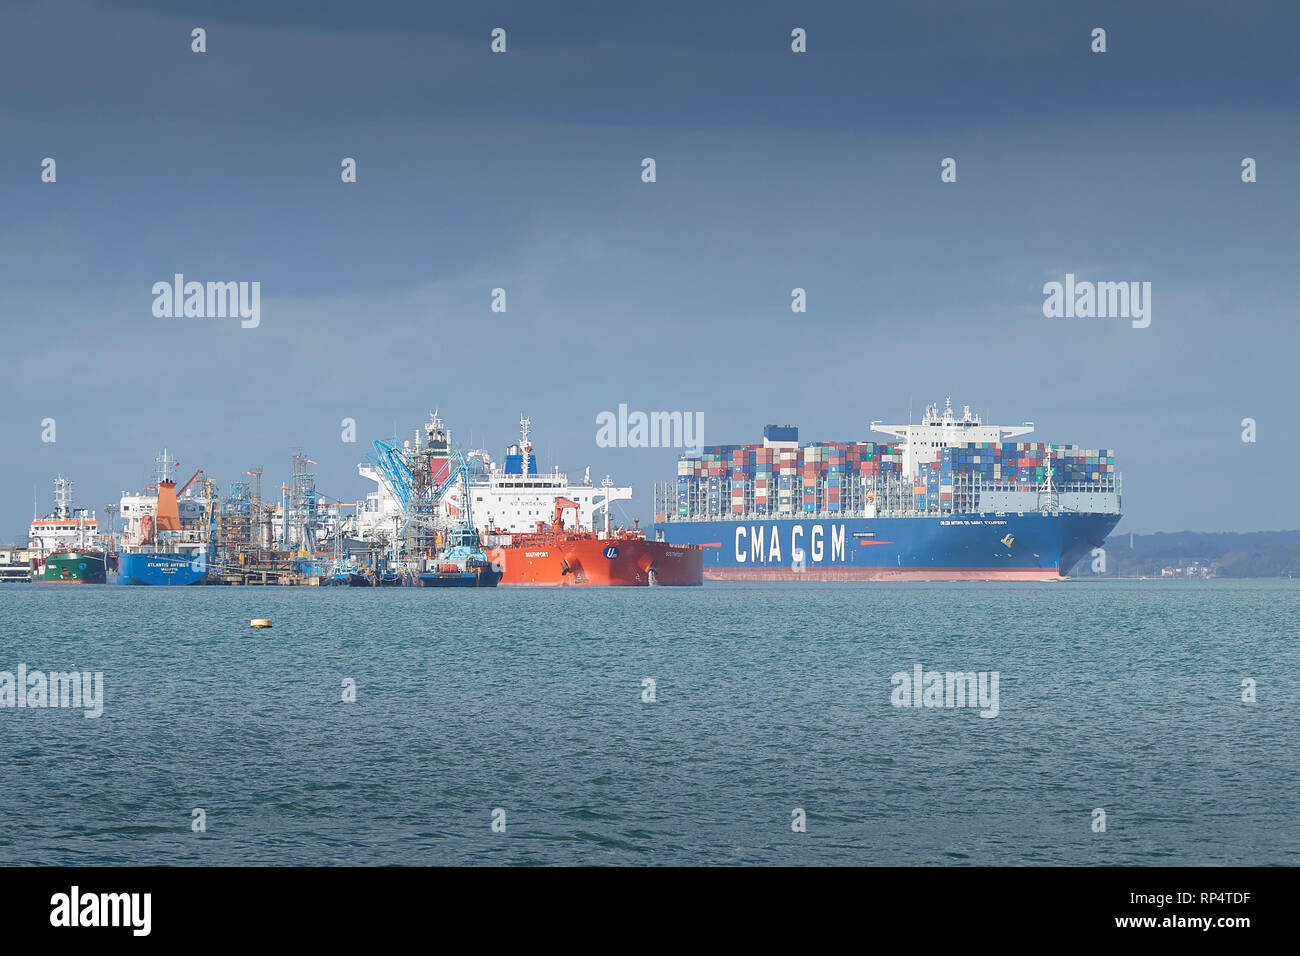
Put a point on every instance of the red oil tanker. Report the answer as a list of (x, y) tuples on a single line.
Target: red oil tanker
[(553, 556)]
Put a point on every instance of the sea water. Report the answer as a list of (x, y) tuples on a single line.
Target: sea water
[(729, 724)]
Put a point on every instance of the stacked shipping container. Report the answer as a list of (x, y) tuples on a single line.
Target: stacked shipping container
[(751, 479), (846, 477)]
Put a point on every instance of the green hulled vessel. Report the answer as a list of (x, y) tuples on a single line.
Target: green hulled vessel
[(72, 567), (65, 545)]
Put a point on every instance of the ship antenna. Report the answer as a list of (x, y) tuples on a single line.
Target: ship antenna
[(1049, 487), (525, 446), (607, 483), (164, 466)]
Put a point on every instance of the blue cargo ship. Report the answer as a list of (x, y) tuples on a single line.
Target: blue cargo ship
[(166, 540), (160, 567), (960, 547), (951, 499)]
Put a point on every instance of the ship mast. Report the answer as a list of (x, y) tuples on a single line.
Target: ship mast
[(525, 445), (1047, 488), (62, 498), (164, 463), (607, 483)]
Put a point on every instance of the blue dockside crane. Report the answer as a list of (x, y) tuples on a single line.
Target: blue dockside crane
[(398, 469)]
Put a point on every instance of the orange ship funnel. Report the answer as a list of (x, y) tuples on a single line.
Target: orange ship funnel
[(168, 515)]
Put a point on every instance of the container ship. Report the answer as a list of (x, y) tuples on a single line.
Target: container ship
[(65, 544), (166, 539), (950, 499)]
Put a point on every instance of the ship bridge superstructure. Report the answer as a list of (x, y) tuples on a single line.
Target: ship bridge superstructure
[(65, 527), (923, 444)]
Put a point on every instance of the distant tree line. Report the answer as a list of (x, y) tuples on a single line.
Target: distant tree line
[(1258, 554)]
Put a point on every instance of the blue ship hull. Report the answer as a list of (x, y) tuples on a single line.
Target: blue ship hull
[(350, 579), (160, 568), (479, 575), (964, 547), (450, 579)]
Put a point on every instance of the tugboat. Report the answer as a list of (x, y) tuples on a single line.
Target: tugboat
[(65, 543), (390, 578), (346, 573), (464, 564)]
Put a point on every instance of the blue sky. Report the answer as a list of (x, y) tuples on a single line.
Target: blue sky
[(522, 171)]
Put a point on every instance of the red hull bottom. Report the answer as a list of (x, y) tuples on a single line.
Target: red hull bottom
[(884, 574), (590, 561)]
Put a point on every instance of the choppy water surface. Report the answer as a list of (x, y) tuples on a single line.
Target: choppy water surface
[(1124, 696)]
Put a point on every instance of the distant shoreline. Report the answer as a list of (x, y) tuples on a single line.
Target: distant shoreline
[(1180, 555)]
